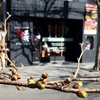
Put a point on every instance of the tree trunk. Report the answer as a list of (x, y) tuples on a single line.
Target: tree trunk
[(3, 43), (97, 60)]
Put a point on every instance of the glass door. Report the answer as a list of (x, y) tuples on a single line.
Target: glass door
[(54, 40)]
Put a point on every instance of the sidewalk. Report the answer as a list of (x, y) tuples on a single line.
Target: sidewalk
[(57, 71)]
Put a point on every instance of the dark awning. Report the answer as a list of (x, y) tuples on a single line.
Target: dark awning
[(74, 10), (47, 9)]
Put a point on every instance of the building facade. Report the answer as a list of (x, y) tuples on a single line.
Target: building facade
[(47, 30)]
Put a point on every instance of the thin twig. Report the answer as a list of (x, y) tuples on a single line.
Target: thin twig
[(3, 72), (7, 58), (21, 67), (75, 79), (78, 65), (5, 22)]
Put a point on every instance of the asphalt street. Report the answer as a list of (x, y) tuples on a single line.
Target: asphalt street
[(57, 71)]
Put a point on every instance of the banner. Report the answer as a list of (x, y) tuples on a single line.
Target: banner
[(90, 19)]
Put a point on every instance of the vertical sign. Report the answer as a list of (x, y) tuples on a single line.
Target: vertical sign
[(21, 33), (90, 19)]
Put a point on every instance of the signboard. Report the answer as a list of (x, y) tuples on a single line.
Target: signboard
[(90, 19), (23, 33), (21, 47), (56, 44)]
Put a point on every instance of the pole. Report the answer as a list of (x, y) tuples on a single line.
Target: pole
[(4, 8)]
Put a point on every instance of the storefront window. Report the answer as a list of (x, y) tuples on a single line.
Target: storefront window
[(89, 42), (56, 38), (57, 30), (53, 30)]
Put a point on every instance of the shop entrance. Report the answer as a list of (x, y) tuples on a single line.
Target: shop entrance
[(60, 40), (75, 32)]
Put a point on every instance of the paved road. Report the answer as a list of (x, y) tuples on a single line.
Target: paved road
[(57, 71)]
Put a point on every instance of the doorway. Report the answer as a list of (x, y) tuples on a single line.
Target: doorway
[(73, 48), (58, 40)]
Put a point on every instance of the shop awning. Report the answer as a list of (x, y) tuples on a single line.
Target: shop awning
[(55, 9), (75, 10)]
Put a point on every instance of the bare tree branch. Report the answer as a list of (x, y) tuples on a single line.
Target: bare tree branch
[(78, 65), (5, 22)]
